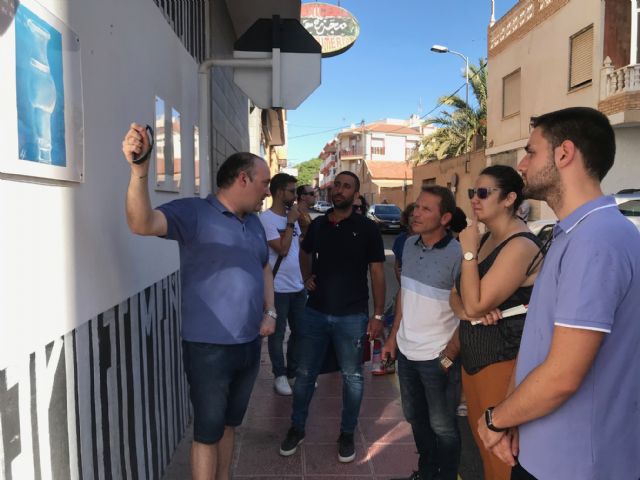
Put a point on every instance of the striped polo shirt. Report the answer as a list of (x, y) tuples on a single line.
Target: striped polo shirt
[(428, 275)]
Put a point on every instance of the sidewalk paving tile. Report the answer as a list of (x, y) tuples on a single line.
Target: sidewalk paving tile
[(384, 442)]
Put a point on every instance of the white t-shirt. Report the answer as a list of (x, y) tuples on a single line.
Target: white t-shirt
[(288, 279)]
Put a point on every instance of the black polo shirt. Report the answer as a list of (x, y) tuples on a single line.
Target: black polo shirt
[(341, 254)]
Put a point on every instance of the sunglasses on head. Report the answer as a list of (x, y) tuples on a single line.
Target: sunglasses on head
[(482, 192)]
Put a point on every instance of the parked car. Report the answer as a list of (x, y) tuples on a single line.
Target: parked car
[(321, 206), (627, 194), (543, 229), (631, 210), (386, 216)]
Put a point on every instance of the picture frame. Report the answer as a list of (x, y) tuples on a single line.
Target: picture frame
[(42, 114)]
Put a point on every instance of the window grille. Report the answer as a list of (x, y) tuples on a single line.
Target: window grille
[(188, 20)]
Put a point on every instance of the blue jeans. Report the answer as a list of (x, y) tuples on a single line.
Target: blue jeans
[(347, 333), (429, 400), (289, 307)]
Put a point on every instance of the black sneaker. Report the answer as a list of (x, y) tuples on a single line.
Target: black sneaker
[(290, 444), (346, 448), (413, 476)]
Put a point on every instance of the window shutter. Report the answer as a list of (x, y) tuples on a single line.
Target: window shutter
[(581, 58), (511, 94)]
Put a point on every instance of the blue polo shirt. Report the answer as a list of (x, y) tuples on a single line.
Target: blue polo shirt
[(590, 280), (221, 261)]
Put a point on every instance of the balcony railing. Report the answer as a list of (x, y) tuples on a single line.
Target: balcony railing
[(622, 80), (518, 17), (351, 152)]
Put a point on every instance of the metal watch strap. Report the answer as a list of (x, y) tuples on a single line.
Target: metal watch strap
[(271, 313)]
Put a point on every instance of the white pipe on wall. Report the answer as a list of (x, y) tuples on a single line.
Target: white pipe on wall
[(204, 76)]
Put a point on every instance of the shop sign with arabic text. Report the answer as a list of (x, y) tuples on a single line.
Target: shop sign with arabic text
[(333, 27)]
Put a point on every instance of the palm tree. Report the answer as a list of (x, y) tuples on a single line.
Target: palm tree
[(457, 127)]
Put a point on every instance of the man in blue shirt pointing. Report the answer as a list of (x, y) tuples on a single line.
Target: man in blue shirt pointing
[(227, 292), (574, 412)]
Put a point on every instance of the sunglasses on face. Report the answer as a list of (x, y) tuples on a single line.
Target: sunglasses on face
[(309, 193), (481, 192)]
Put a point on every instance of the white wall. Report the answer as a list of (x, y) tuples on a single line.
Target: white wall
[(394, 148), (65, 251), (625, 172)]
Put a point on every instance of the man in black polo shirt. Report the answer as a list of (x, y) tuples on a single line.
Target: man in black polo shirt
[(334, 257)]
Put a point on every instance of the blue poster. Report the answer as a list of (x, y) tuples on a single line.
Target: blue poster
[(39, 90)]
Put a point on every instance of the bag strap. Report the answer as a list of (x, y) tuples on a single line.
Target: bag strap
[(276, 266)]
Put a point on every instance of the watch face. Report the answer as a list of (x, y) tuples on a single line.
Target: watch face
[(469, 256)]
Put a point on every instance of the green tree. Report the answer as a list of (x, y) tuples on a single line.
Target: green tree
[(460, 125), (308, 170)]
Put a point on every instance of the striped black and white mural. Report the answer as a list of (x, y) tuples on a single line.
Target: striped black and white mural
[(108, 400)]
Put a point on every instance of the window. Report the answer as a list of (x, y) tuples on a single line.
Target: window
[(511, 94), (428, 181), (187, 18), (581, 59), (377, 146), (196, 158), (176, 136), (160, 142), (168, 148)]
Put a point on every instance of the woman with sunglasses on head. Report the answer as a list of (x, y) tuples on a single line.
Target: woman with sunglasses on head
[(497, 273)]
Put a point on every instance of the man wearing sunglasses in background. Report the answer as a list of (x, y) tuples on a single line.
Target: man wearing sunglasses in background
[(574, 412), (306, 199), (280, 224)]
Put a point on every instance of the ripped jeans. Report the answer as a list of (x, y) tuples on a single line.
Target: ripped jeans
[(315, 331)]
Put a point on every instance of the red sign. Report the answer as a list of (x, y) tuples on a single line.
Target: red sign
[(333, 27)]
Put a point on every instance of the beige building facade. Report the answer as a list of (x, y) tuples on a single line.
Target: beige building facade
[(544, 55)]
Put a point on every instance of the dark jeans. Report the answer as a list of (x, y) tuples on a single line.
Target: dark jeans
[(519, 473), (289, 307), (220, 378), (315, 331), (429, 400)]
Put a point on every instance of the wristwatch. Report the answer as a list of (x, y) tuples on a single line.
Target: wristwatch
[(378, 317), (488, 419), (271, 313), (469, 256), (290, 224), (445, 361)]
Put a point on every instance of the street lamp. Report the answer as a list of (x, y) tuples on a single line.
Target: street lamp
[(443, 49)]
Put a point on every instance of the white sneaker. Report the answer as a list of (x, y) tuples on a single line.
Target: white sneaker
[(282, 385)]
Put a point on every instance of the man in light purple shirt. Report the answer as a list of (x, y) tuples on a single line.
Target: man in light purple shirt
[(575, 413)]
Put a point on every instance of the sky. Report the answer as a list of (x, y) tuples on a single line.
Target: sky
[(390, 72)]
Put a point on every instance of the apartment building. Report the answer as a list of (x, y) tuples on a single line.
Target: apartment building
[(544, 55), (379, 153)]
